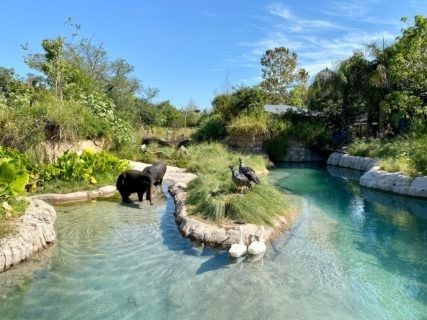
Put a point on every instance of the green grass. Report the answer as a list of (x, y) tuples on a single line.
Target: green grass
[(18, 208), (213, 195), (406, 154)]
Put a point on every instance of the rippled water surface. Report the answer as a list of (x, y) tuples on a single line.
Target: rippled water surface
[(353, 254)]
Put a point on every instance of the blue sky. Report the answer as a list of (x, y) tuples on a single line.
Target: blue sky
[(192, 49)]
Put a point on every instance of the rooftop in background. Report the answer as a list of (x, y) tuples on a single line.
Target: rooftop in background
[(283, 108)]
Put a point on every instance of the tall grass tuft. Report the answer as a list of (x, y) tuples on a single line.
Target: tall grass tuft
[(213, 194)]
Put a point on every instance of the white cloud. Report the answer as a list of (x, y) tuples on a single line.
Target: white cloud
[(298, 24)]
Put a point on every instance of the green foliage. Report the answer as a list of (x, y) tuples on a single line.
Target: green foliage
[(249, 125), (72, 167), (212, 128), (26, 126), (281, 76), (104, 109), (311, 132), (408, 63), (12, 179), (406, 154), (241, 100), (400, 105), (213, 195), (386, 88)]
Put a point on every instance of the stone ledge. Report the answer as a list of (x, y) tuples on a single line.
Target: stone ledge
[(62, 198), (353, 162), (375, 178), (33, 231)]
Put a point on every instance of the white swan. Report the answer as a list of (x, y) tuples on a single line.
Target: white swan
[(258, 247), (238, 249)]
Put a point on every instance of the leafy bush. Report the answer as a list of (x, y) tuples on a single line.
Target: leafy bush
[(21, 162), (407, 154), (211, 128), (13, 179), (26, 126), (87, 167), (312, 133), (103, 108)]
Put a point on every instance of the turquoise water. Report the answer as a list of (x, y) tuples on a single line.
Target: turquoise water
[(353, 254)]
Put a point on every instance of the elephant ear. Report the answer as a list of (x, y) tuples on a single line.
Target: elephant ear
[(21, 180), (7, 171)]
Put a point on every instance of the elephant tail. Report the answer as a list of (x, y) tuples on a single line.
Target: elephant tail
[(121, 181)]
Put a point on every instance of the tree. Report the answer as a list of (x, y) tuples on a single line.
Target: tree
[(280, 74), (191, 114)]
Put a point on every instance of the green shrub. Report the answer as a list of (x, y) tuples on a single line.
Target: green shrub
[(104, 109), (13, 179), (21, 162), (25, 127), (406, 154), (87, 167), (211, 129), (311, 133)]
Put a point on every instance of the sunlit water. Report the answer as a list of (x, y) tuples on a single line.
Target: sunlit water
[(353, 254)]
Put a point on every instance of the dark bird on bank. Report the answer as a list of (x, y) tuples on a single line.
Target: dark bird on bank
[(184, 142), (248, 172), (239, 179)]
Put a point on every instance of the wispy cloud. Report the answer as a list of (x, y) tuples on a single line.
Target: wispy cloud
[(208, 13), (316, 48), (299, 24)]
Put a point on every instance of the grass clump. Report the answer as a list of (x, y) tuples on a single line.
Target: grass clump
[(249, 125), (213, 195)]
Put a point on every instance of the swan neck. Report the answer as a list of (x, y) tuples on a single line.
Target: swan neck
[(241, 235), (261, 236)]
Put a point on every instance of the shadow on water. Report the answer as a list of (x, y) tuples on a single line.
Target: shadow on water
[(219, 260), (173, 239)]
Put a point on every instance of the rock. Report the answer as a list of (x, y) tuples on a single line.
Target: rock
[(33, 231), (334, 159), (418, 187), (298, 152), (352, 162), (378, 179)]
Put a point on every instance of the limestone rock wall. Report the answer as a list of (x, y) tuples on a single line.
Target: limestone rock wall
[(298, 152), (378, 179), (395, 182), (54, 150), (346, 161), (33, 231)]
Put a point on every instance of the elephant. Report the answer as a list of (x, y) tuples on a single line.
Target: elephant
[(132, 181), (156, 171)]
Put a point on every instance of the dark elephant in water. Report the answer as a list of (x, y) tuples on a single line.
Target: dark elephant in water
[(140, 182), (132, 181), (156, 171)]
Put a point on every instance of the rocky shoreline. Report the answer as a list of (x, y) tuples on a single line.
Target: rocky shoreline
[(218, 235), (33, 232), (375, 178)]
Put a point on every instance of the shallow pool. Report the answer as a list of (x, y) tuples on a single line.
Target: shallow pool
[(353, 254)]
